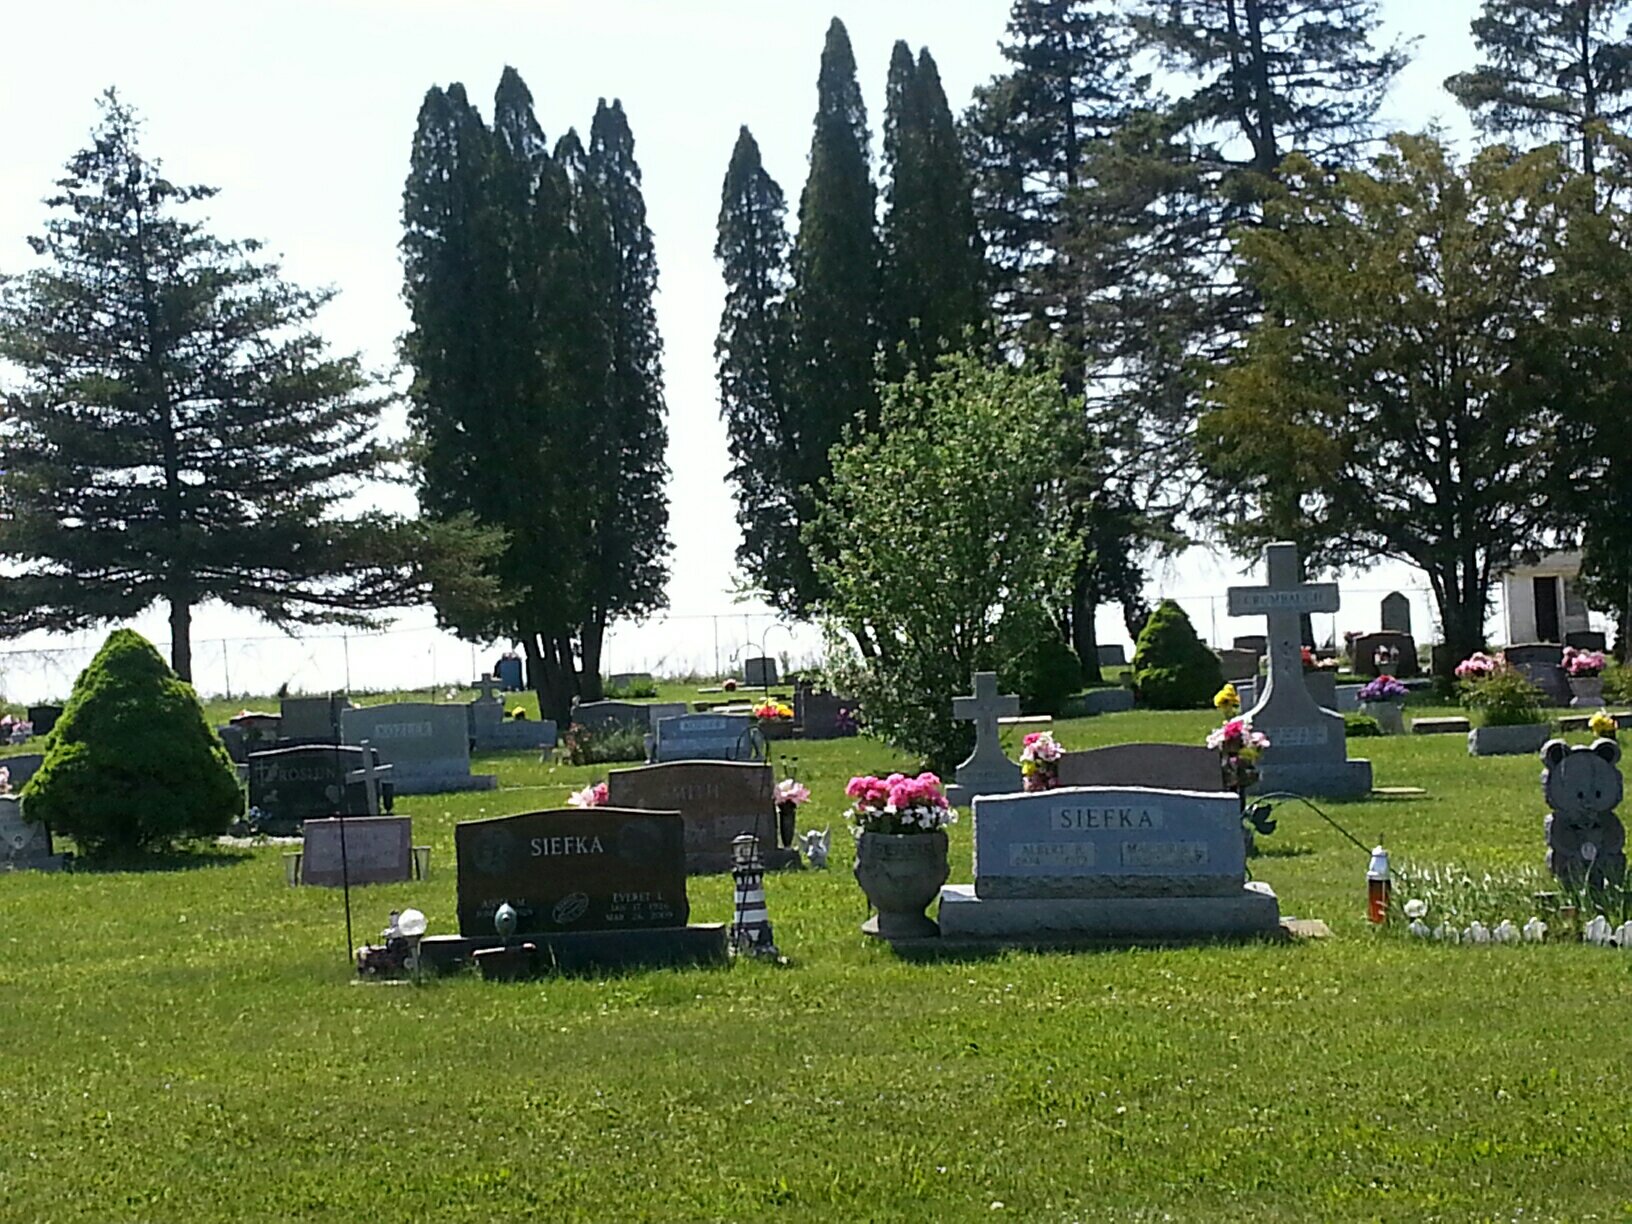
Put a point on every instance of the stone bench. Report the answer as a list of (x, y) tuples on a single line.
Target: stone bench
[(1440, 726)]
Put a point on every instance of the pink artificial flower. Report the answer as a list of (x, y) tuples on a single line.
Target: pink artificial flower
[(790, 791), (593, 795)]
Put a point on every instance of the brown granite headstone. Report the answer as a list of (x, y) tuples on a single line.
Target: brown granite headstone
[(1166, 766), (573, 869), (720, 800)]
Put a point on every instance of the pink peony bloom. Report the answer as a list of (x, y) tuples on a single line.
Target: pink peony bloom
[(790, 791)]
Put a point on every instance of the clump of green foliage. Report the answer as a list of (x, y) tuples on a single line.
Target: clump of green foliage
[(1618, 682), (1044, 673), (132, 765), (1359, 726), (1504, 698), (605, 745), (632, 691), (1172, 667)]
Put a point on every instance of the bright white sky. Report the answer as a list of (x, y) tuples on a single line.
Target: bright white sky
[(301, 112)]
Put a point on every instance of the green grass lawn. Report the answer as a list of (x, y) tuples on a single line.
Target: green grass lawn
[(186, 1044)]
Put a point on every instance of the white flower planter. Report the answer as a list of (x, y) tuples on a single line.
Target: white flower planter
[(1390, 715), (1508, 741), (1586, 691)]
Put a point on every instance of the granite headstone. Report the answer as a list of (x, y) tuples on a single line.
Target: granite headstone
[(708, 737), (427, 745), (1186, 767), (1396, 613), (289, 786), (759, 673), (718, 800), (24, 846), (378, 850), (986, 771)]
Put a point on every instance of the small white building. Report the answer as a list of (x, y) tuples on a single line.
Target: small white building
[(1543, 601)]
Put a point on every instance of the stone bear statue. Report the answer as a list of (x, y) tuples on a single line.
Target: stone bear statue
[(1586, 843)]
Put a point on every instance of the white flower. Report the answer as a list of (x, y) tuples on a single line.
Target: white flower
[(1589, 851), (1506, 932), (1535, 931), (1415, 908), (1419, 928)]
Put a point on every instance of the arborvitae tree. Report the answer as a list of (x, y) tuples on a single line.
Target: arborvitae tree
[(931, 292), (628, 570), (179, 433), (833, 304), (1557, 69), (1172, 667), (751, 359)]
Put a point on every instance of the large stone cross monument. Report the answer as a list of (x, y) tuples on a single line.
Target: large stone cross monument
[(1308, 751)]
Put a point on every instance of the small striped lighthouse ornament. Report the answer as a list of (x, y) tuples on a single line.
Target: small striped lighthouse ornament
[(751, 926)]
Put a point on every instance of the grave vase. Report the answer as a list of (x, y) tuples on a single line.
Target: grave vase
[(1586, 691), (901, 873), (1390, 715)]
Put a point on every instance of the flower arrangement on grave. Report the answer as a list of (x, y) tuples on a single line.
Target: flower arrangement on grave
[(1602, 724), (1383, 688), (1238, 747), (1499, 693), (1478, 665), (898, 804), (774, 711), (730, 685), (1040, 762), (5, 780), (791, 795), (846, 722), (1583, 663), (15, 730), (1308, 656), (593, 795), (1227, 701)]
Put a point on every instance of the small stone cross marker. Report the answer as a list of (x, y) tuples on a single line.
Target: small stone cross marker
[(987, 767), (489, 686), (370, 775)]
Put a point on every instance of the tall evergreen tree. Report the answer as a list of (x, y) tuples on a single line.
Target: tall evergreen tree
[(931, 289), (1557, 69), (180, 433), (751, 358), (628, 570), (833, 304)]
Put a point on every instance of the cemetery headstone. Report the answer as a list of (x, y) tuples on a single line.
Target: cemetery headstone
[(1396, 612), (1107, 863), (1113, 656), (311, 720), (823, 715), (1238, 664), (1184, 767), (261, 732), (718, 800), (427, 745), (658, 710), (1308, 744), (575, 869), (1257, 643), (596, 716), (289, 786), (1389, 652), (708, 737), (22, 767), (1542, 663), (44, 718), (759, 673), (235, 742), (1322, 686), (987, 771), (24, 846), (491, 731), (625, 680), (378, 850), (1581, 639), (509, 672)]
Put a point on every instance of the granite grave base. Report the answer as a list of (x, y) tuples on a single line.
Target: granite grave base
[(590, 951), (1320, 779), (1250, 910)]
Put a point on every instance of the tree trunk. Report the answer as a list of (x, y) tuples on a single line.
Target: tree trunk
[(1462, 613), (1084, 639), (589, 672), (554, 695), (181, 638)]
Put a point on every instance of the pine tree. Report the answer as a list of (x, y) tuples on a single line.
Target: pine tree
[(931, 290), (179, 434), (628, 570), (751, 359), (1557, 69), (833, 304)]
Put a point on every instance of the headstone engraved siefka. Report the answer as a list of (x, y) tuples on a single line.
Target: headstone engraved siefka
[(1308, 746), (1107, 863), (986, 771), (718, 801)]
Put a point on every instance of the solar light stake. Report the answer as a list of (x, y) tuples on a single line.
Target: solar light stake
[(1378, 887)]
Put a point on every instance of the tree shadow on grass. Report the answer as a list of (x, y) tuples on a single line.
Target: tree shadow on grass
[(160, 860)]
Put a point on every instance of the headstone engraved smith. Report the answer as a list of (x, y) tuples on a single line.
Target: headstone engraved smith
[(718, 800)]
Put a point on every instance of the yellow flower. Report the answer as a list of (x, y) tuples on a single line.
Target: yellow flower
[(1602, 724), (1227, 699)]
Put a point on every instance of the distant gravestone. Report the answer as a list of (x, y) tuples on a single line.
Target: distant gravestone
[(1167, 766), (1396, 612), (823, 715), (599, 715), (1107, 862), (22, 767), (626, 680), (235, 742), (427, 745), (1238, 664), (289, 786), (718, 800), (1581, 639), (1112, 656), (1387, 653), (1308, 743), (378, 850), (24, 846), (574, 869), (986, 771), (261, 732), (1542, 663), (658, 710), (708, 737), (759, 673), (44, 718), (508, 670), (491, 731), (1257, 643), (311, 720)]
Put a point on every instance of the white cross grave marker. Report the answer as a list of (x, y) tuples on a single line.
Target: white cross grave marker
[(370, 775)]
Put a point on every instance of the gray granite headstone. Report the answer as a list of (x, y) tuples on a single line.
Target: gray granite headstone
[(24, 846), (759, 673), (1168, 766), (289, 786), (987, 771), (311, 720), (1112, 656), (658, 710), (1238, 664), (600, 715), (378, 850), (708, 737), (1542, 663), (491, 731), (1308, 744), (1396, 613), (427, 745), (1374, 654)]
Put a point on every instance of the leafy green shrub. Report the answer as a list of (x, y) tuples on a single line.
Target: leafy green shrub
[(133, 765), (1503, 698), (631, 691), (605, 746), (1359, 726), (1044, 673), (1172, 667), (1618, 683)]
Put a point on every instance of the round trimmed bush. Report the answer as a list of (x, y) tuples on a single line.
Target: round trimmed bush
[(1043, 675), (132, 764), (1173, 669)]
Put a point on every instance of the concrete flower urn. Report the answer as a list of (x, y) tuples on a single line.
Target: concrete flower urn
[(1390, 715), (901, 873), (1586, 691), (1508, 741)]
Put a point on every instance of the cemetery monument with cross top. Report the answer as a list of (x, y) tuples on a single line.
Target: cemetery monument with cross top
[(986, 771), (1308, 751)]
